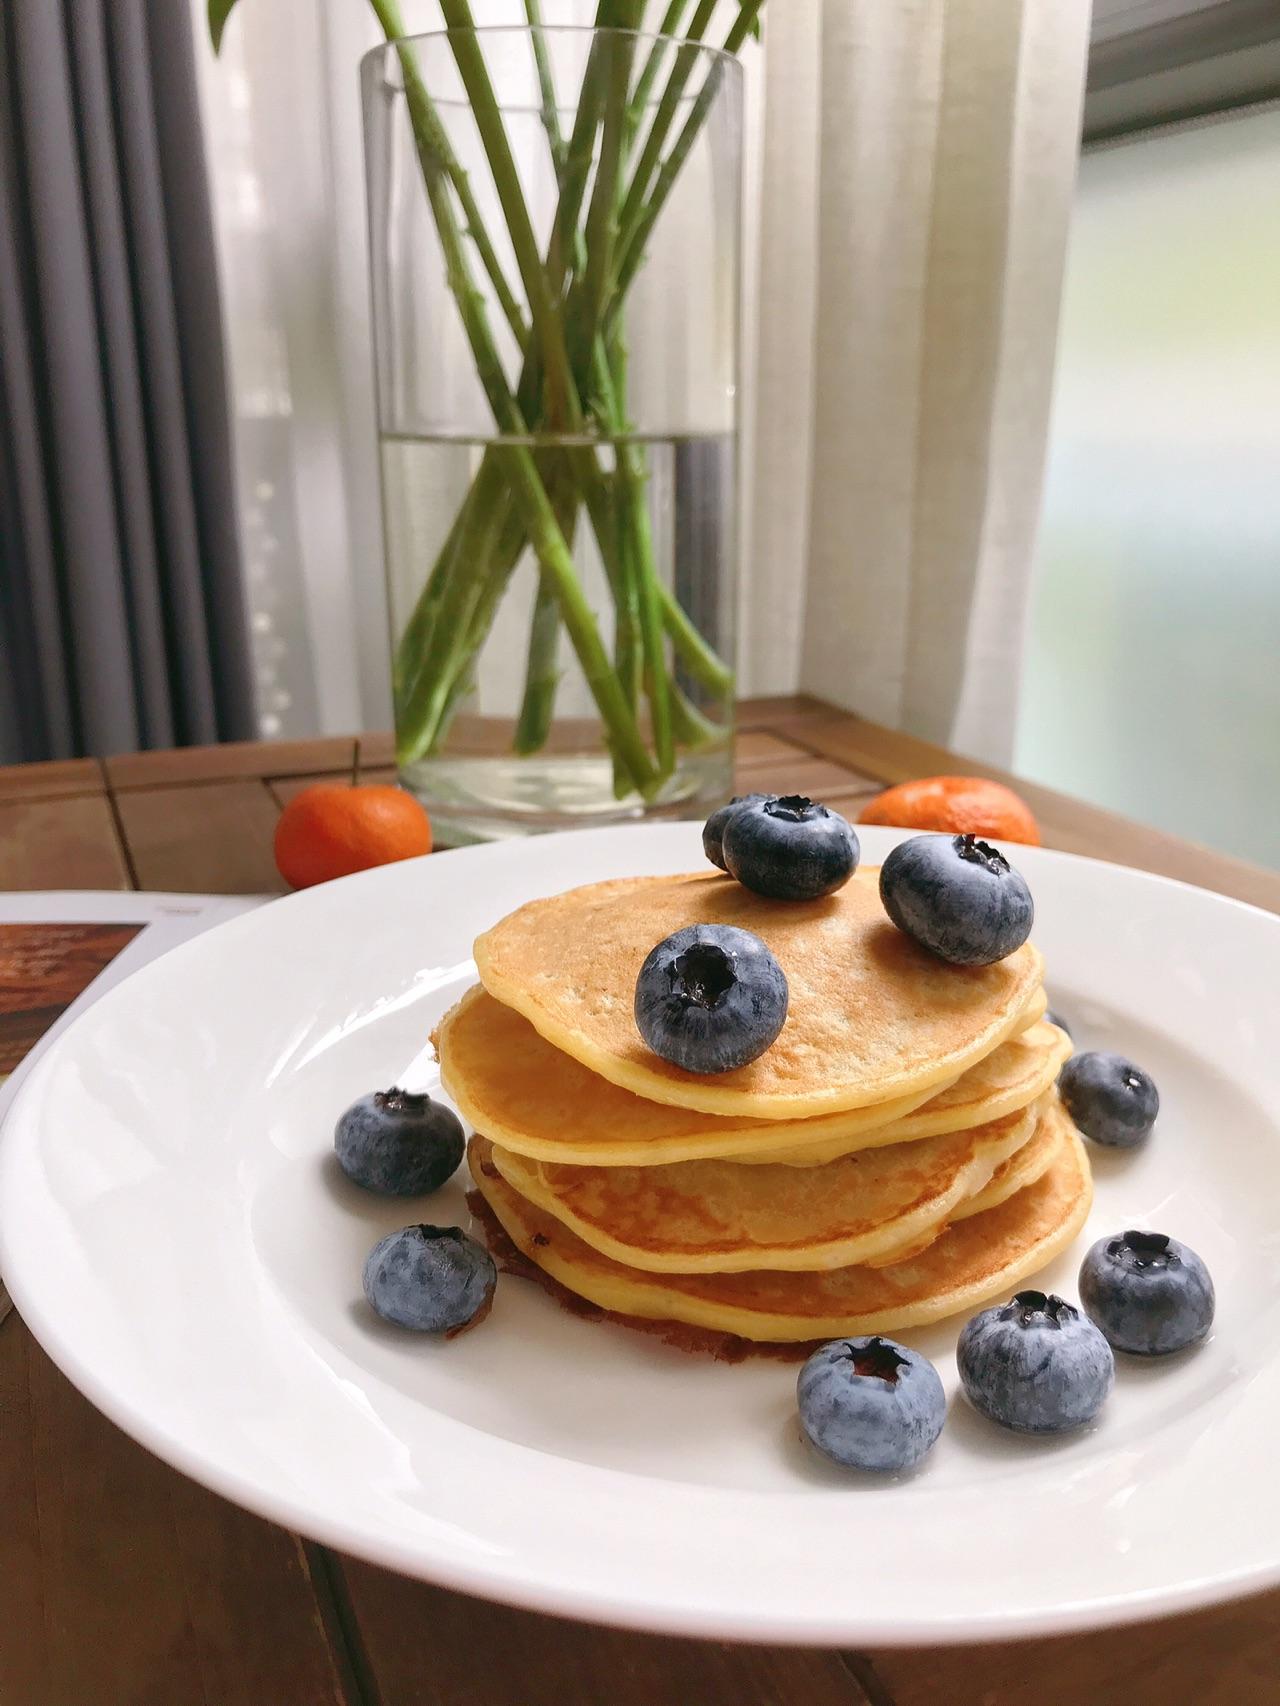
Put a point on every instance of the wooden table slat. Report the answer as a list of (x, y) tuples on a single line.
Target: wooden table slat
[(123, 1581), (55, 780), (1228, 1656), (429, 1647), (61, 844), (778, 713), (211, 838), (804, 774), (243, 760)]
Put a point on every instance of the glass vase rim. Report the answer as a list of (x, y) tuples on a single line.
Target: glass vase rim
[(374, 54)]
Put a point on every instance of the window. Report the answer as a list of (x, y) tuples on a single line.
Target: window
[(1153, 670)]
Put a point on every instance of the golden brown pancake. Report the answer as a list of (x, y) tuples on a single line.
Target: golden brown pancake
[(511, 1084), (718, 1217), (973, 1260), (872, 1015), (1018, 1170), (1011, 1076)]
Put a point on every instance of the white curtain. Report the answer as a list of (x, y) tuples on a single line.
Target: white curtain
[(919, 166), (910, 168)]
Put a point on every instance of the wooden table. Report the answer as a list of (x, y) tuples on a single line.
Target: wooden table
[(125, 1583)]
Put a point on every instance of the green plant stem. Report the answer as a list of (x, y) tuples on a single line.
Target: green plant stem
[(693, 731), (563, 248), (422, 706), (527, 489), (631, 481), (417, 630), (542, 673), (664, 116), (542, 676), (703, 664), (637, 224), (483, 562), (546, 86), (602, 213), (387, 13), (652, 65), (566, 253), (543, 305)]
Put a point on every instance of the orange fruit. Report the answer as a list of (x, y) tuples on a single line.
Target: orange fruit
[(960, 805), (332, 829)]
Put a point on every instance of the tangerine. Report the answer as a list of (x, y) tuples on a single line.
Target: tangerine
[(334, 828), (958, 805)]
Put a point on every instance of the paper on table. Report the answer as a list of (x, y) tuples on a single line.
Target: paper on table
[(60, 951)]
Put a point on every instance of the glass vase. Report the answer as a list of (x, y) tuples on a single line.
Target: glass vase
[(554, 254)]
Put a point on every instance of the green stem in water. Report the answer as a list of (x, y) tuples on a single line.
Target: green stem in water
[(485, 491), (620, 520), (527, 489), (631, 482), (703, 664), (542, 672), (422, 706), (695, 732)]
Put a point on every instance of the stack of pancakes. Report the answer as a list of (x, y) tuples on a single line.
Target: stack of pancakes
[(898, 1154)]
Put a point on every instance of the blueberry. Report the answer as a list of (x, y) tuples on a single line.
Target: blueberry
[(1052, 1018), (1148, 1293), (400, 1144), (958, 897), (870, 1404), (431, 1278), (789, 848), (710, 998), (1036, 1364), (1109, 1098), (713, 828)]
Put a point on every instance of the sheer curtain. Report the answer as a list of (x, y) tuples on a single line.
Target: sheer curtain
[(909, 175), (918, 174)]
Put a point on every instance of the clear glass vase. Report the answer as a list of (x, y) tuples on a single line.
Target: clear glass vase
[(554, 235)]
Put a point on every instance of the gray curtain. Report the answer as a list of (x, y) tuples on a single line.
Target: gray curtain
[(122, 619)]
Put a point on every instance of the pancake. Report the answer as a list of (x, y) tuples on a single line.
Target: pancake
[(1015, 1173), (872, 1015), (974, 1260), (511, 1084), (718, 1217), (1011, 1076)]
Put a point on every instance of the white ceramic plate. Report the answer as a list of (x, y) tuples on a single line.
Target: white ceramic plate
[(175, 1233)]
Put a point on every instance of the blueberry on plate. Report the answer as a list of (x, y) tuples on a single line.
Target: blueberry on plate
[(868, 1403), (713, 828), (789, 848), (398, 1143), (710, 998), (1149, 1294), (431, 1278), (1109, 1098), (957, 897), (1052, 1018), (1035, 1364)]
